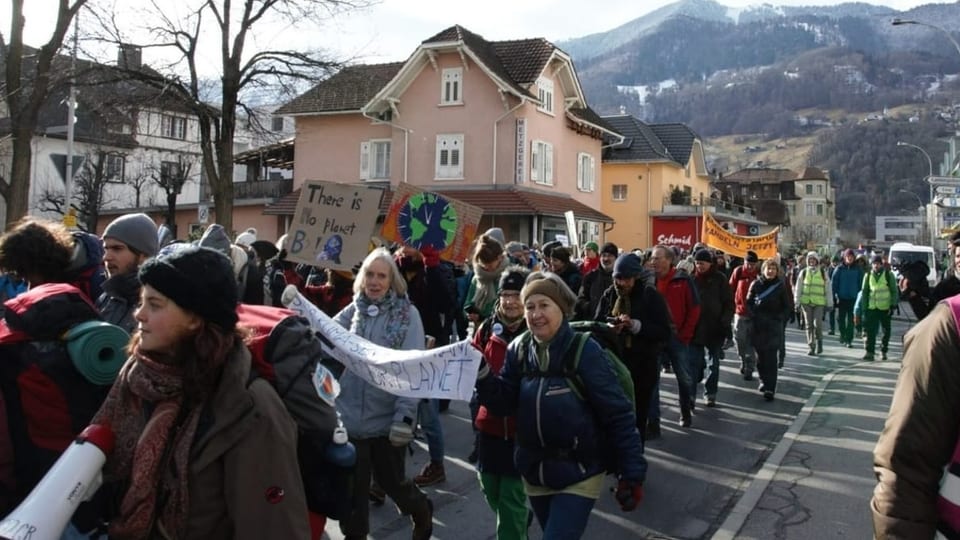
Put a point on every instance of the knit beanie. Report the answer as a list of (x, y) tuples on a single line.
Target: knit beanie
[(551, 286), (752, 257), (592, 246), (514, 248), (627, 265), (137, 231), (562, 254), (197, 279), (703, 255), (513, 278), (246, 238), (812, 255), (496, 233), (611, 249), (877, 259)]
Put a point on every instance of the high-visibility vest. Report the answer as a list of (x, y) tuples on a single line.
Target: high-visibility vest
[(879, 291), (814, 288)]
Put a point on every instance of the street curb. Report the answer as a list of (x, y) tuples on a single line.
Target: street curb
[(751, 496)]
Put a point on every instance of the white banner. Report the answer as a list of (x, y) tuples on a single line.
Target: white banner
[(448, 372)]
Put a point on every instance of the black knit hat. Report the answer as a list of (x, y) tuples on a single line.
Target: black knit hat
[(752, 257), (610, 248), (703, 255), (513, 278), (627, 266), (197, 279)]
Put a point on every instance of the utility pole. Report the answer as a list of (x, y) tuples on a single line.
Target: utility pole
[(69, 216)]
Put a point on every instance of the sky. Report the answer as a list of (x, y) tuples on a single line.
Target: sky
[(392, 29)]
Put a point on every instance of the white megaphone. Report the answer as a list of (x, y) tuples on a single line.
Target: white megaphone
[(74, 478)]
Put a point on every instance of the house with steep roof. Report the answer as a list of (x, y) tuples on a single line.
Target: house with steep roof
[(656, 186), (503, 125)]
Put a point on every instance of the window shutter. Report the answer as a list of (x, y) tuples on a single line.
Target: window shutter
[(592, 170), (548, 164), (581, 172), (535, 161), (365, 160)]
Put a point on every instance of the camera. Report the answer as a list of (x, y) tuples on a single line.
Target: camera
[(613, 320)]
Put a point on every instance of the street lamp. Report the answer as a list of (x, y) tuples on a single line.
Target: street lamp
[(920, 210), (930, 227), (899, 22)]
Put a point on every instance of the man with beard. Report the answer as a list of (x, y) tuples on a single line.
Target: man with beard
[(716, 315), (596, 282), (128, 242), (639, 315)]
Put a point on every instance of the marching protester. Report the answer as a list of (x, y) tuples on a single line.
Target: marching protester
[(381, 424), (875, 306), (846, 282), (202, 451), (596, 282), (741, 278), (716, 316), (496, 441), (559, 448), (770, 303), (814, 295), (128, 242), (489, 261)]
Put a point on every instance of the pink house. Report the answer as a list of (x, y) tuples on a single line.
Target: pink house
[(503, 125)]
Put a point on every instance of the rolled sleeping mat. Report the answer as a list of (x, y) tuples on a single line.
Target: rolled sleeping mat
[(97, 350)]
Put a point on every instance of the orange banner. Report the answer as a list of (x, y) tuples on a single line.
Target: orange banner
[(715, 236)]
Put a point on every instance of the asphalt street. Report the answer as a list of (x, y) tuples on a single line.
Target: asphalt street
[(798, 467)]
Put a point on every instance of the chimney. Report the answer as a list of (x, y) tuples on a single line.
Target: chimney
[(129, 56)]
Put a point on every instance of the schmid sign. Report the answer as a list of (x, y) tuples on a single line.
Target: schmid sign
[(683, 232)]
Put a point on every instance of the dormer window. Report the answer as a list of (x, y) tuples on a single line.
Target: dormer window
[(451, 86), (545, 95)]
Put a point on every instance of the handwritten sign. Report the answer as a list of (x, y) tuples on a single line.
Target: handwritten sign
[(419, 218), (714, 235), (332, 224), (448, 372)]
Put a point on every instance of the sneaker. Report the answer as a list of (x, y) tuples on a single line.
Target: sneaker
[(868, 356), (423, 522), (883, 356), (431, 474), (812, 351), (667, 368), (768, 396), (849, 344), (762, 389), (830, 333), (711, 401), (686, 421), (377, 495)]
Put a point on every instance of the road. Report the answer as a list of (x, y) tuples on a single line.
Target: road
[(798, 467)]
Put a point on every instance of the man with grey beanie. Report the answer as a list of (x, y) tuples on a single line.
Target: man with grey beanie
[(128, 242)]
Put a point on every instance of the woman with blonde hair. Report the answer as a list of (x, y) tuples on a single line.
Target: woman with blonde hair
[(770, 303)]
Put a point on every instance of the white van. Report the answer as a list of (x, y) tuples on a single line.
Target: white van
[(904, 252)]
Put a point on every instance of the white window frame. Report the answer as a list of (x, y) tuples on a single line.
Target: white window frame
[(451, 86), (808, 189), (621, 193), (809, 209), (113, 167), (541, 162), (545, 95), (819, 189), (586, 172), (173, 127), (449, 157), (375, 159)]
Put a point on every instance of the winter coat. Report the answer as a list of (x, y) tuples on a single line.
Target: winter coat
[(680, 293), (368, 411), (119, 301), (572, 277), (947, 287), (740, 281), (846, 281), (801, 283), (647, 306), (920, 432), (769, 313), (558, 433), (593, 287), (246, 443), (716, 309)]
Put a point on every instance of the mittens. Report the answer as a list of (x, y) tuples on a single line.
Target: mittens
[(629, 494), (401, 434)]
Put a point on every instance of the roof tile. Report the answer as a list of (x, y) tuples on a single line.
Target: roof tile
[(349, 90)]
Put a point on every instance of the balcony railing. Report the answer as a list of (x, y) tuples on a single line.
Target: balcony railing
[(266, 189), (698, 203)]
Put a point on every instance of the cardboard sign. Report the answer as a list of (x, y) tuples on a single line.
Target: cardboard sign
[(571, 228), (332, 224), (714, 235), (418, 218)]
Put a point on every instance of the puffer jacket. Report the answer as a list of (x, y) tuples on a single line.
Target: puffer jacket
[(558, 433), (740, 281), (368, 412), (493, 345), (846, 281), (119, 301)]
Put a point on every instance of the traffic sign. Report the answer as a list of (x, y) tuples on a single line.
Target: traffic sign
[(948, 190), (948, 202), (943, 180)]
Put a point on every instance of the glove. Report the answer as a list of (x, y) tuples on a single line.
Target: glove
[(629, 494), (431, 257), (635, 326), (401, 434)]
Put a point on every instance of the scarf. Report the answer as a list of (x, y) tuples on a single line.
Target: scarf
[(154, 432), (622, 307), (395, 308), (485, 293)]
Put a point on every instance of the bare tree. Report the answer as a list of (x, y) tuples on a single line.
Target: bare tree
[(25, 95), (171, 176), (242, 72), (90, 195)]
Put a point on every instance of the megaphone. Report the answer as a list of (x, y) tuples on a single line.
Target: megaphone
[(74, 478)]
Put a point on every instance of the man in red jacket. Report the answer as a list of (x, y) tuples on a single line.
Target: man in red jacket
[(740, 281), (681, 296)]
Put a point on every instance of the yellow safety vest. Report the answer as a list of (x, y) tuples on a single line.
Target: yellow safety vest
[(814, 288), (879, 291)]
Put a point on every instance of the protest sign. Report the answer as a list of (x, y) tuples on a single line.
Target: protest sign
[(332, 224), (715, 236), (573, 239), (448, 372), (418, 218)]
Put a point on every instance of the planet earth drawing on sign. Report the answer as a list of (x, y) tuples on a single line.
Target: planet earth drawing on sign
[(427, 219)]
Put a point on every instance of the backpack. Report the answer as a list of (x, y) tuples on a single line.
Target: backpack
[(285, 352), (86, 268), (604, 336)]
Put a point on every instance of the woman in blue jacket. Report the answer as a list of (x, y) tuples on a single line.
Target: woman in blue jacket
[(564, 427)]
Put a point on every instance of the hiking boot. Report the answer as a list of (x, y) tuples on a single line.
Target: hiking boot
[(431, 474), (711, 401), (748, 376), (768, 396), (868, 356), (686, 421), (812, 351), (819, 346), (423, 522), (762, 388), (377, 495), (653, 430), (831, 333), (883, 355), (849, 344)]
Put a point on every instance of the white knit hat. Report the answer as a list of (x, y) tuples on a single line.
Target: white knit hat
[(246, 238), (814, 255)]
